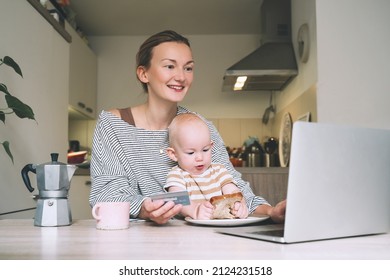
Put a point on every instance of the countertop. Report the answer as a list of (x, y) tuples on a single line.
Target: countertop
[(243, 170), (20, 239), (82, 172)]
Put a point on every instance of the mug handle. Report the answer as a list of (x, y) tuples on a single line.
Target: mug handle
[(95, 210)]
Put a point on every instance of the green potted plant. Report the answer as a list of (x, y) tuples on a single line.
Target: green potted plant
[(14, 105)]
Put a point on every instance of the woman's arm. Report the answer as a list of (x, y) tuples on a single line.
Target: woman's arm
[(220, 155), (110, 181)]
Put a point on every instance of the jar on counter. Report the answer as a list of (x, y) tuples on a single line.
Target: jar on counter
[(255, 156)]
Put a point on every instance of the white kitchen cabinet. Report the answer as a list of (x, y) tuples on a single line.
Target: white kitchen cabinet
[(80, 188), (82, 77), (43, 56)]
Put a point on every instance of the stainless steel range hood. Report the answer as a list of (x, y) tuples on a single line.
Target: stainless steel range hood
[(270, 67)]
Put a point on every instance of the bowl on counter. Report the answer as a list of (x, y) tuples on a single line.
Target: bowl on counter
[(76, 157)]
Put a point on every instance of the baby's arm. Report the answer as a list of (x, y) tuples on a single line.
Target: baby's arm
[(196, 210)]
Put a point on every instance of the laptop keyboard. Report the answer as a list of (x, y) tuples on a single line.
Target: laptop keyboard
[(276, 232)]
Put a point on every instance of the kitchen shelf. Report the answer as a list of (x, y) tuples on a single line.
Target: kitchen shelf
[(56, 25)]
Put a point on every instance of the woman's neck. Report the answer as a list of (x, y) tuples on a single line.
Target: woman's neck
[(158, 117)]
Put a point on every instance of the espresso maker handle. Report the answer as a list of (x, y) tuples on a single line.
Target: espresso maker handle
[(26, 179)]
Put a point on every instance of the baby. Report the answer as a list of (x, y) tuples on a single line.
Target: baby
[(190, 146)]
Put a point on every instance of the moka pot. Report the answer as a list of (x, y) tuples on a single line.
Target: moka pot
[(53, 183)]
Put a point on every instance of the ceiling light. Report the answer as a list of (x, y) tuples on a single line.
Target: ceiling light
[(240, 82)]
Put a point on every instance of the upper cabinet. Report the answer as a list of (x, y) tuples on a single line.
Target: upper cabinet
[(82, 78)]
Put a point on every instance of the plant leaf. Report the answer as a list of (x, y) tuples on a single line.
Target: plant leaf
[(20, 109), (8, 150), (2, 116), (10, 62), (4, 88)]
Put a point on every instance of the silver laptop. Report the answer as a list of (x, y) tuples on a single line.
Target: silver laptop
[(338, 185)]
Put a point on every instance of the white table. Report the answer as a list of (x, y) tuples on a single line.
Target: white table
[(20, 239)]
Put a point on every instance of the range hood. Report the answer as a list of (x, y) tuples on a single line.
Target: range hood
[(273, 65), (270, 67)]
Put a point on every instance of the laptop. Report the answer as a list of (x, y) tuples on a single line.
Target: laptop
[(338, 185)]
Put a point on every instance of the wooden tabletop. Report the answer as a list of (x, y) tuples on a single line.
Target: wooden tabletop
[(20, 239)]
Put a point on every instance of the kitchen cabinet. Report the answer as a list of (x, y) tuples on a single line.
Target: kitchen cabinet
[(80, 188), (58, 25), (267, 182), (82, 77), (43, 56)]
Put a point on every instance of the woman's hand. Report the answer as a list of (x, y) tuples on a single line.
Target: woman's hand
[(159, 211), (278, 212)]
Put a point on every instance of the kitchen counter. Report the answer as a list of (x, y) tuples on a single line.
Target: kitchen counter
[(20, 239), (242, 170), (82, 172)]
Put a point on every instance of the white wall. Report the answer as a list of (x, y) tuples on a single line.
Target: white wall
[(353, 62), (347, 66), (302, 11), (43, 56), (348, 63), (118, 87)]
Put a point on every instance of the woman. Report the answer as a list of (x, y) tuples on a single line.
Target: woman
[(129, 161)]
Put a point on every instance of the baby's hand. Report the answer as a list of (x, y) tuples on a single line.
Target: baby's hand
[(240, 210), (205, 211)]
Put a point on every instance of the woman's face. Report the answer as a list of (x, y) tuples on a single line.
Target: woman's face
[(170, 73)]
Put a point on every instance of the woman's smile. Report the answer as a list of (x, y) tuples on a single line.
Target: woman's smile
[(176, 88)]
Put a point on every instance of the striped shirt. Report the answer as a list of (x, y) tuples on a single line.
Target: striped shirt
[(200, 187), (130, 163)]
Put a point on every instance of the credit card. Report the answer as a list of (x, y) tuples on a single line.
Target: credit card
[(181, 197)]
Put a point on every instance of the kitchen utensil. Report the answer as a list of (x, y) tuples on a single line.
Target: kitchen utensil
[(271, 156), (53, 182), (74, 146), (254, 152), (269, 110), (271, 145)]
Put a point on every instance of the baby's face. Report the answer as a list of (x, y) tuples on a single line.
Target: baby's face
[(193, 151)]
